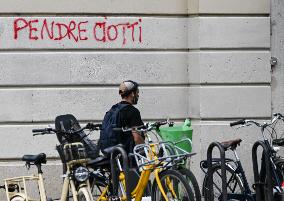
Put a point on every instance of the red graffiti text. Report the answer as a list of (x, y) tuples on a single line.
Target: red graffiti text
[(101, 31)]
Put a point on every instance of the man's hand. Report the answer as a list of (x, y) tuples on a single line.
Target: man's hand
[(138, 139)]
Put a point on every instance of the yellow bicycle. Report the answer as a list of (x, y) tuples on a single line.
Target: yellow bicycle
[(151, 158)]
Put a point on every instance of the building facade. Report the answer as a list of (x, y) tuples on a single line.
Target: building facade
[(203, 59)]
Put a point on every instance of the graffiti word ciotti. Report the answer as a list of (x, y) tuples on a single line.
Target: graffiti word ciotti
[(101, 31)]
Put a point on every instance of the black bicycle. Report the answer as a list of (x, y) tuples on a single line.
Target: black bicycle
[(237, 184)]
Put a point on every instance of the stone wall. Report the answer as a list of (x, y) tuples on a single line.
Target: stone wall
[(204, 59)]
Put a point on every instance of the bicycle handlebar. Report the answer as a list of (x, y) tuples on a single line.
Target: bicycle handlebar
[(240, 122), (157, 124), (42, 130), (143, 128), (279, 115), (245, 121), (89, 126), (124, 130)]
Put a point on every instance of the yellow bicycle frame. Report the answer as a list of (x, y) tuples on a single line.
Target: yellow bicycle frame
[(138, 192)]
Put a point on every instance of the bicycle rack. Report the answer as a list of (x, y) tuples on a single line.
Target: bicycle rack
[(223, 170), (256, 173), (120, 150)]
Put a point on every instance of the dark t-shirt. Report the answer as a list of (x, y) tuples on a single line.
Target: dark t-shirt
[(129, 117)]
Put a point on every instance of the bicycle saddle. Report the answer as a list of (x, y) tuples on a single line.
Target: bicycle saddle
[(231, 144), (100, 161), (36, 159), (109, 150)]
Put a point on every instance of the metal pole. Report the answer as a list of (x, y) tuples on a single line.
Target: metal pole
[(259, 184), (223, 170), (115, 151)]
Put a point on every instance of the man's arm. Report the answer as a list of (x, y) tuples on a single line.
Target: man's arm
[(137, 121), (138, 139)]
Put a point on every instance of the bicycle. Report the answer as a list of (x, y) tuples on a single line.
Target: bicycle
[(182, 166), (150, 158), (75, 179), (68, 130), (237, 184)]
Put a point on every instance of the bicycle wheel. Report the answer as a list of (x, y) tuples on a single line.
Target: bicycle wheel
[(97, 188), (234, 183), (18, 198), (280, 169), (188, 175), (277, 178), (175, 186), (84, 195), (192, 183)]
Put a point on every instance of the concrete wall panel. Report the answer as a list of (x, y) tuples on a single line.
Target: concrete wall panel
[(229, 67), (16, 103), (155, 33), (137, 7), (95, 7), (234, 6), (93, 32), (18, 140), (96, 68), (235, 101), (88, 103), (234, 32), (194, 102)]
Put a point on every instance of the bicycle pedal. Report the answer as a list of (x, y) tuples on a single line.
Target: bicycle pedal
[(114, 198)]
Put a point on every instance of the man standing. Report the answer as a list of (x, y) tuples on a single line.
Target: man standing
[(123, 114)]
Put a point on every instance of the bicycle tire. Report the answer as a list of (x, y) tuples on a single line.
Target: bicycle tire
[(189, 177), (192, 182), (234, 179), (280, 169), (177, 179), (17, 198), (84, 195), (280, 174)]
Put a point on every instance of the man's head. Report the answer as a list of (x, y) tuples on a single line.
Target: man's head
[(128, 90)]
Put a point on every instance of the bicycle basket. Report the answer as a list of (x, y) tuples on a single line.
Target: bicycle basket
[(177, 133), (26, 186), (162, 155), (73, 151)]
